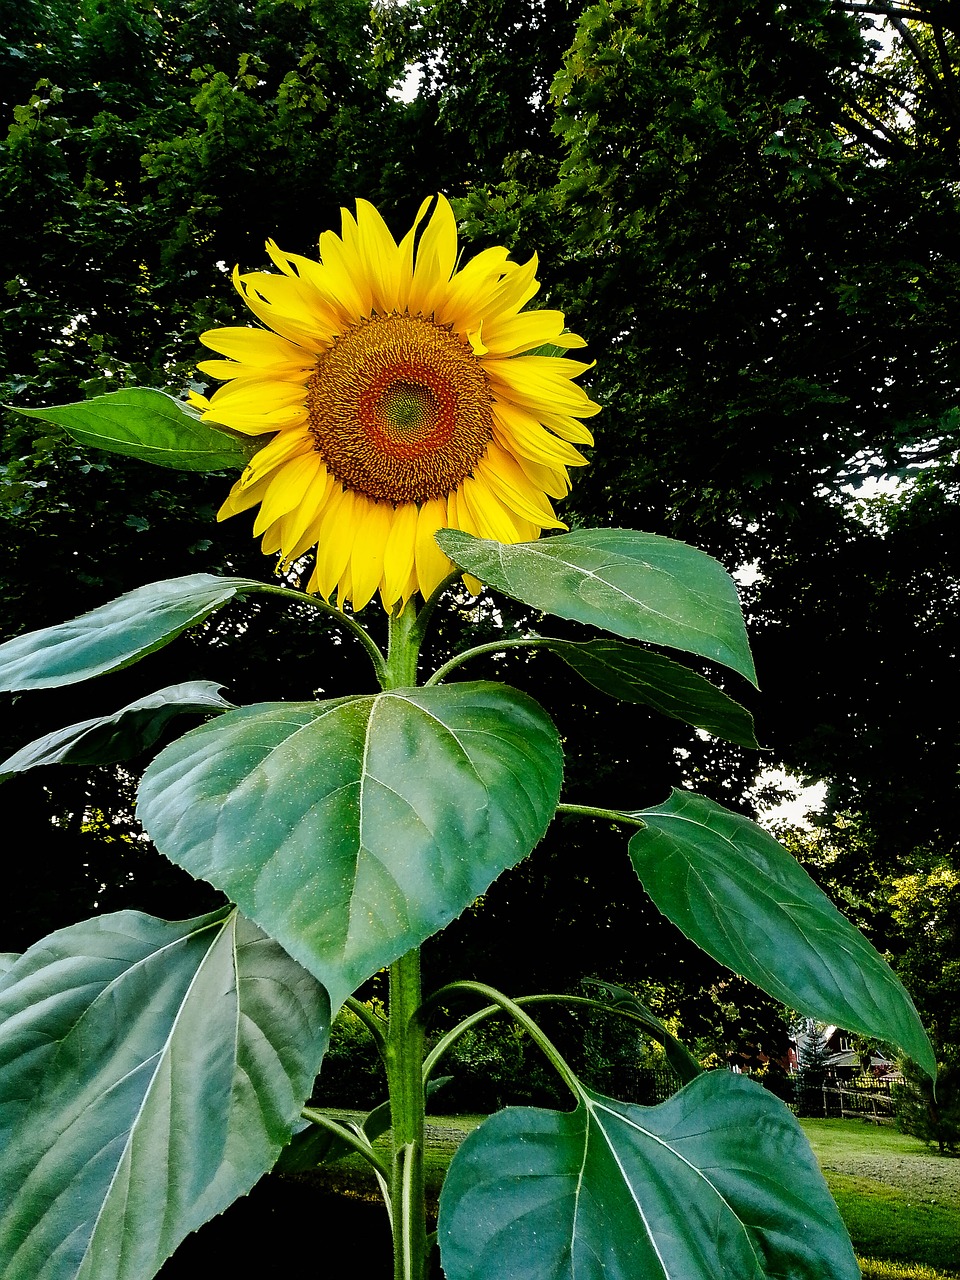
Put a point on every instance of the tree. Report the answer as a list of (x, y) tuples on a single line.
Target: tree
[(928, 1111), (772, 309), (875, 725), (926, 906), (812, 1055)]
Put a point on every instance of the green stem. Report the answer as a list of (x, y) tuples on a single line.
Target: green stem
[(374, 1024), (499, 646), (653, 1028), (500, 1001), (348, 623), (400, 670), (404, 1048), (348, 1135), (404, 1059), (614, 815)]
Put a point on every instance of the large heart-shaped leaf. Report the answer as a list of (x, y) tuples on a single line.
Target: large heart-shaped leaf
[(633, 674), (150, 425), (351, 830), (117, 634), (719, 1181), (637, 585), (149, 1074), (126, 733), (737, 893)]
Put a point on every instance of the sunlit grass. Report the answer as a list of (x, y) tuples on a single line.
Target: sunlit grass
[(874, 1269)]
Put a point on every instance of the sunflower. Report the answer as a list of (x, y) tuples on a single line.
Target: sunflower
[(400, 396)]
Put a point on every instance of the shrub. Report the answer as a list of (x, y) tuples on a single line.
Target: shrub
[(352, 1074), (494, 1065), (932, 1116)]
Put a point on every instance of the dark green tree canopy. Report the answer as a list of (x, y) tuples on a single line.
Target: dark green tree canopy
[(751, 214)]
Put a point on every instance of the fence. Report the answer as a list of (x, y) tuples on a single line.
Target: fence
[(647, 1086), (861, 1098)]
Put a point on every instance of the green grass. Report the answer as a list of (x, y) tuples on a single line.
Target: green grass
[(844, 1138), (884, 1225), (874, 1269), (900, 1202)]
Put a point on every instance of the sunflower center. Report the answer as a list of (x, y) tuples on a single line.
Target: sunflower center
[(399, 408)]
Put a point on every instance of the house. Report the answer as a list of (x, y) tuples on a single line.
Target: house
[(831, 1049)]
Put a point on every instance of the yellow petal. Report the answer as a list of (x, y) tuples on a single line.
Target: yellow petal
[(310, 536), (286, 490), (343, 272), (566, 427), (300, 528), (435, 261), (335, 542), (524, 382), (283, 447), (514, 291), (257, 396), (523, 436), (506, 479), (399, 553), (432, 565), (556, 484), (459, 515), (288, 309), (258, 424), (322, 286), (511, 334), (407, 258), (490, 517), (258, 347), (471, 289), (380, 256), (242, 499), (366, 559)]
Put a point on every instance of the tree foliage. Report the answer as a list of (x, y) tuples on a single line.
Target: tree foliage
[(928, 1111), (752, 215)]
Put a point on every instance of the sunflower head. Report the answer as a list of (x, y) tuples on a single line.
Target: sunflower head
[(398, 396)]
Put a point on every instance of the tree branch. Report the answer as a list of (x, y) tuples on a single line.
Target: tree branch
[(881, 146)]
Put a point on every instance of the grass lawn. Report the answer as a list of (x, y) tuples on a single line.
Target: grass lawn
[(900, 1202)]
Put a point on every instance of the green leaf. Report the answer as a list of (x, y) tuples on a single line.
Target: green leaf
[(152, 426), (149, 1074), (737, 893), (637, 585), (310, 1146), (718, 1181), (126, 733), (7, 960), (632, 674), (351, 830), (117, 634)]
